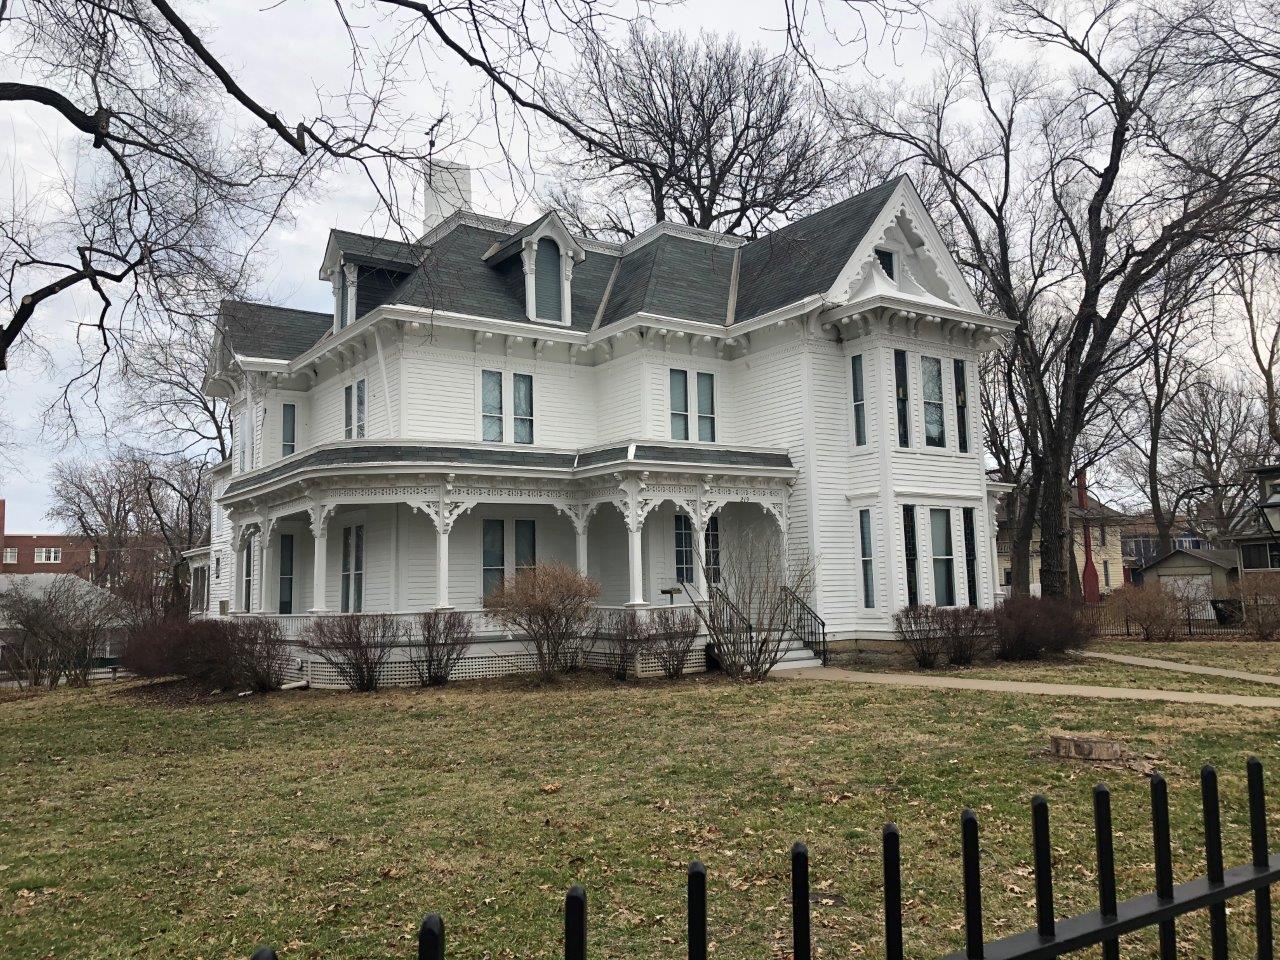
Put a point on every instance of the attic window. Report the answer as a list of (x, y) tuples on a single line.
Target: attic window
[(548, 296), (886, 259)]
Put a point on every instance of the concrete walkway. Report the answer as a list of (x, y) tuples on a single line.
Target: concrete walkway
[(841, 675), (1180, 667)]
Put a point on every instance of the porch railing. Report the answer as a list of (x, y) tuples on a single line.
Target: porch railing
[(804, 624)]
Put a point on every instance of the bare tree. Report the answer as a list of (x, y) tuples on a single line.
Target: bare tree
[(1082, 151), (1253, 294), (177, 501), (56, 630), (703, 132)]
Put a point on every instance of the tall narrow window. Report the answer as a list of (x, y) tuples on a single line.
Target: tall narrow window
[(493, 555), (353, 569), (944, 573), (909, 543), (711, 547), (246, 581), (342, 297), (238, 439), (491, 405), (706, 407), (679, 405), (288, 429), (1106, 573), (286, 573), (522, 407), (685, 558), (962, 405), (900, 389), (546, 280), (935, 427), (526, 544), (970, 556), (868, 565), (353, 398), (859, 404), (886, 262)]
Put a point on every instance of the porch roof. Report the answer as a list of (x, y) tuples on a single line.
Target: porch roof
[(569, 464)]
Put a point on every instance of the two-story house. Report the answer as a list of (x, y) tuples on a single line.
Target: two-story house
[(498, 394)]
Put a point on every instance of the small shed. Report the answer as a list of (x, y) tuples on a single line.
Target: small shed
[(1211, 574)]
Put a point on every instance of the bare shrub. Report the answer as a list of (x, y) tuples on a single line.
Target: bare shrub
[(260, 653), (1027, 628), (747, 616), (204, 651), (445, 637), (625, 637), (56, 629), (1155, 611), (550, 604), (1260, 596), (673, 634), (968, 634), (355, 645), (917, 629)]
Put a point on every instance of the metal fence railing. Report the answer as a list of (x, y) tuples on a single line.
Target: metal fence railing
[(1051, 936)]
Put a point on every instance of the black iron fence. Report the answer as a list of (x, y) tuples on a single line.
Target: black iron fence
[(1052, 936)]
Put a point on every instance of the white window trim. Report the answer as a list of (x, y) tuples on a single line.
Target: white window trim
[(10, 554), (359, 428), (507, 380), (691, 402), (48, 555), (508, 547)]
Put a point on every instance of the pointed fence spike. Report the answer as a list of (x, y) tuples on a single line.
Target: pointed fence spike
[(1044, 866), (892, 892), (1164, 861), (1261, 858), (972, 886), (1105, 847), (1212, 812), (800, 943), (431, 938), (575, 924), (697, 911)]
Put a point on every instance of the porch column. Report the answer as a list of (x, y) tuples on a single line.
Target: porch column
[(635, 565), (320, 568), (442, 567), (700, 557), (267, 581), (580, 530)]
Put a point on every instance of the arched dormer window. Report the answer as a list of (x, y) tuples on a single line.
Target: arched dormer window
[(549, 295)]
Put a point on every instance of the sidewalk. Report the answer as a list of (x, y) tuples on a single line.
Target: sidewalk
[(1180, 667), (840, 675)]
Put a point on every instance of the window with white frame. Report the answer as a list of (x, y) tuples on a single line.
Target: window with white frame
[(246, 574), (935, 424), (10, 554), (859, 404), (238, 439), (686, 558), (1106, 573), (962, 405), (352, 579), (353, 402), (911, 551), (217, 567), (706, 405), (493, 555), (526, 544), (522, 407), (285, 602), (868, 564), (902, 396), (969, 521), (491, 405), (288, 428), (944, 573), (48, 554)]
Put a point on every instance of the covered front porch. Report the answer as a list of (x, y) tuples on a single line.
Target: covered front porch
[(405, 543)]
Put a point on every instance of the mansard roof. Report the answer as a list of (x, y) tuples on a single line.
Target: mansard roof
[(270, 333), (463, 266)]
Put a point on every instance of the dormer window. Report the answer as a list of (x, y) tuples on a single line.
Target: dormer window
[(548, 296), (887, 264)]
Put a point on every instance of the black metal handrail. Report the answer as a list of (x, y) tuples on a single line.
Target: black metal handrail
[(803, 622), (722, 616)]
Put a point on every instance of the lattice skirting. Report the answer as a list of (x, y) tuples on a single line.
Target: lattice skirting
[(485, 660)]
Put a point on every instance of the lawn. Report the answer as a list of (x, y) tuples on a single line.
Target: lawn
[(329, 823), (1231, 655)]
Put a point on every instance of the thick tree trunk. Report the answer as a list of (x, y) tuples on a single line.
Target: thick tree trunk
[(1055, 532), (1022, 525)]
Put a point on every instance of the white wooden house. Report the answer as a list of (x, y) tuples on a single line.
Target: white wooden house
[(498, 394)]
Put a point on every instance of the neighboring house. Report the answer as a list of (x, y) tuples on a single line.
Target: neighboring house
[(1105, 526), (1258, 543), (499, 394), (44, 552), (84, 591)]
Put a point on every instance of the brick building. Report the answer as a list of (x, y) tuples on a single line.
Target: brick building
[(43, 552)]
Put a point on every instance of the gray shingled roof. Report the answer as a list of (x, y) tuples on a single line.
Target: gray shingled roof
[(804, 258), (670, 276), (1227, 559), (272, 333)]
